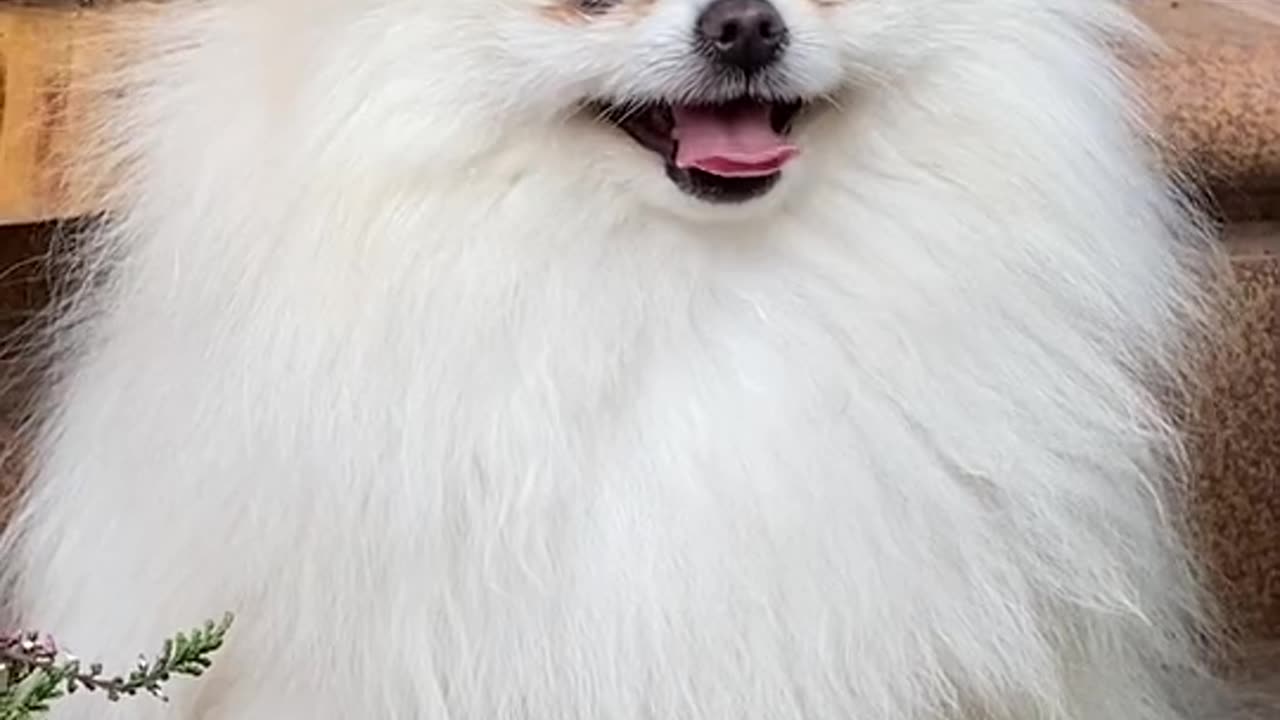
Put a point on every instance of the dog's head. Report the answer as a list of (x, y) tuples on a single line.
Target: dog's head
[(710, 96), (699, 103)]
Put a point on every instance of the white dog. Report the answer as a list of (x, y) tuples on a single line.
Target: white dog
[(631, 360)]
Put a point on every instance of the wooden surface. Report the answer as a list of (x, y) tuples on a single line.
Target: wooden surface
[(44, 64)]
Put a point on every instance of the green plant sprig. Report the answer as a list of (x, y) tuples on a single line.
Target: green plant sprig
[(33, 673)]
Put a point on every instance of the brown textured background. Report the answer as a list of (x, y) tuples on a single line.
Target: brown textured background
[(1236, 440), (1218, 94), (1217, 90)]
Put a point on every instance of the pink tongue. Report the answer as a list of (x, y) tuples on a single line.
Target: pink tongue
[(729, 143)]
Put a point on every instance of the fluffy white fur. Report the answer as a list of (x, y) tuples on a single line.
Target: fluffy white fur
[(468, 413)]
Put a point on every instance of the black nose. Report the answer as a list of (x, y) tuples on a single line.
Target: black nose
[(746, 34)]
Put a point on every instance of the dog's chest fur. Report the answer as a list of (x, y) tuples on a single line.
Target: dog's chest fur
[(650, 459)]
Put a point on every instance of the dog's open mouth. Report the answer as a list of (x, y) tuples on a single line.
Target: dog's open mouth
[(728, 152)]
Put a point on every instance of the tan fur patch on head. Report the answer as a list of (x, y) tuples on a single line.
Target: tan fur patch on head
[(584, 11)]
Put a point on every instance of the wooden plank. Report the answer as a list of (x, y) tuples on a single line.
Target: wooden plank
[(34, 57), (43, 61)]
